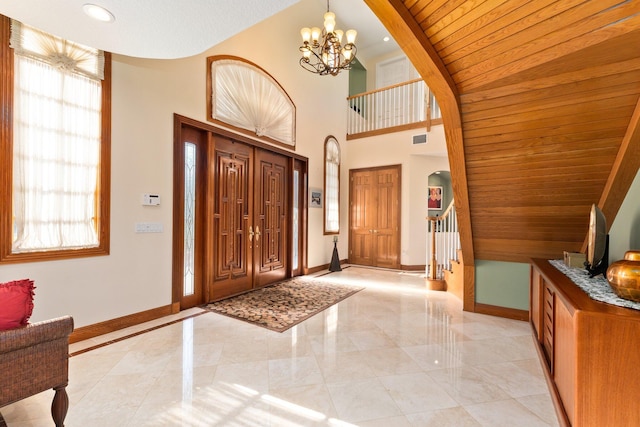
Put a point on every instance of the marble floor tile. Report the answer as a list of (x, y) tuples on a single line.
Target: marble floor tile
[(417, 392), (363, 400), (393, 354), (504, 413), (298, 371), (457, 417)]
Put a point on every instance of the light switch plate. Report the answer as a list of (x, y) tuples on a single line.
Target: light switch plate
[(148, 227)]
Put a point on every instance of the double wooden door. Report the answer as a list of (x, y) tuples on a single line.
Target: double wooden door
[(249, 234), (374, 216)]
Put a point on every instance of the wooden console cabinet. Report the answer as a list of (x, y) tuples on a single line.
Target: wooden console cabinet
[(590, 351)]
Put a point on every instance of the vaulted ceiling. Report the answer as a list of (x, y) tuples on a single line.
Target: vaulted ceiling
[(541, 111)]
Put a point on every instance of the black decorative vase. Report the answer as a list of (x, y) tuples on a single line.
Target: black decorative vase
[(335, 259)]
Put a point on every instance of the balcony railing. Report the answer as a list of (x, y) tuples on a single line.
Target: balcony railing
[(399, 107), (443, 242)]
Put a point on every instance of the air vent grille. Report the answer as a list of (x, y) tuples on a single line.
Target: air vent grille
[(420, 139)]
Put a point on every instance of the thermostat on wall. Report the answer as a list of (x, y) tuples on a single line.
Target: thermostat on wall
[(150, 200)]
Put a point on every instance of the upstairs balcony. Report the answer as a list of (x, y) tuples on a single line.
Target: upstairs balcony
[(404, 106)]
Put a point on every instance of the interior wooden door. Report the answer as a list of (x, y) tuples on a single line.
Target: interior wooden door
[(374, 217), (361, 217), (386, 232)]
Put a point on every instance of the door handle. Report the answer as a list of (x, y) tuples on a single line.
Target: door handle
[(257, 233), (251, 233)]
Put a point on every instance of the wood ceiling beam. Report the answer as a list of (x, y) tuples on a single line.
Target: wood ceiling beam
[(403, 27), (624, 170)]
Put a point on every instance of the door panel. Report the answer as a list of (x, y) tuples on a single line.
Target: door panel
[(362, 213), (232, 175), (374, 237), (270, 218), (387, 209)]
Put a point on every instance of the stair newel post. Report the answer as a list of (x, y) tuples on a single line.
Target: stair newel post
[(433, 267), (433, 283)]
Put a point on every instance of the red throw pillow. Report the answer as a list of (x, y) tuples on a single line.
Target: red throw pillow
[(16, 303)]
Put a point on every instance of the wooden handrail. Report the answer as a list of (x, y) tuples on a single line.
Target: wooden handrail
[(444, 215), (447, 247), (359, 95)]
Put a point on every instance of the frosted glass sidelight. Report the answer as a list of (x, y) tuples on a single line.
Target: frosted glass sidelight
[(189, 217), (296, 224)]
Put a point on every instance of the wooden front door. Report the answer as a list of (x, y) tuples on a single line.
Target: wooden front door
[(374, 217), (270, 218), (250, 217)]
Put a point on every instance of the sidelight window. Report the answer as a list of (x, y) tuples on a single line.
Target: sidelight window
[(331, 186)]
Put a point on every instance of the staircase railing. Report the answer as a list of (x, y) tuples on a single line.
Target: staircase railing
[(443, 242), (399, 107)]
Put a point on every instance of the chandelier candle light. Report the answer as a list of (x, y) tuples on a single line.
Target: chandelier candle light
[(322, 52)]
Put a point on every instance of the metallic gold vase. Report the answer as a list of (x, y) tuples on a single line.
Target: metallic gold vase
[(624, 276), (632, 255)]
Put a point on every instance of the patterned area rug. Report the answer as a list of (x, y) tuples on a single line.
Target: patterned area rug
[(285, 304)]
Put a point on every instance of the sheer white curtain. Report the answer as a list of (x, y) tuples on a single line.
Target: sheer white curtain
[(245, 96), (56, 155), (332, 184)]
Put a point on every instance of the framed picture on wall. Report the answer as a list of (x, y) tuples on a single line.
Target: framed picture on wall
[(315, 198), (435, 198)]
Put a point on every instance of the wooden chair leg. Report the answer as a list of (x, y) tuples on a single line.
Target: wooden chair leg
[(60, 405)]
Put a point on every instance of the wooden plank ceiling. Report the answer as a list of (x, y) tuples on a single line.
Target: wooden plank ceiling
[(547, 96)]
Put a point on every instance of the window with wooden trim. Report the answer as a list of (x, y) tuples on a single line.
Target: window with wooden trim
[(54, 146), (331, 186)]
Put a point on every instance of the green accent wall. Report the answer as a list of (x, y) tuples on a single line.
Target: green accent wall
[(624, 234), (503, 284), (357, 78), (442, 179)]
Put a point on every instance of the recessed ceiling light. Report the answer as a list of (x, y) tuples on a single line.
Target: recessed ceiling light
[(386, 38), (98, 12)]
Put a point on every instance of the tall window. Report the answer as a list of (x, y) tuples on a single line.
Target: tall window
[(55, 151), (331, 186)]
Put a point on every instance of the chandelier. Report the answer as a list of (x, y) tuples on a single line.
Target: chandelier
[(322, 52)]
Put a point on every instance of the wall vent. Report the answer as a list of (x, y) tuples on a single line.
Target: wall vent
[(420, 139)]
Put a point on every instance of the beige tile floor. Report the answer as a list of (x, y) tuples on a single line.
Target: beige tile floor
[(393, 354)]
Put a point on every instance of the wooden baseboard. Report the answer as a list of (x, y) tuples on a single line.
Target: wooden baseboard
[(345, 261), (506, 312), (91, 331), (422, 268), (315, 269)]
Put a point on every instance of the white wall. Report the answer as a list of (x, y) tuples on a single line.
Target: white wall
[(418, 162), (136, 276)]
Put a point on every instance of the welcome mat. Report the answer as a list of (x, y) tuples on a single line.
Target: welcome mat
[(280, 306)]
